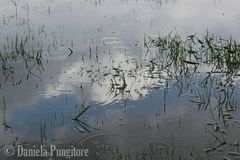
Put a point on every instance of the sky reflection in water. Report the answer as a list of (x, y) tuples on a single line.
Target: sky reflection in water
[(102, 36)]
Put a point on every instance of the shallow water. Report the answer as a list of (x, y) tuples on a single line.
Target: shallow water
[(85, 43)]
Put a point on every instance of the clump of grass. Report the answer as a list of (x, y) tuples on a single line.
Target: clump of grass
[(20, 49), (182, 60), (118, 82), (222, 54)]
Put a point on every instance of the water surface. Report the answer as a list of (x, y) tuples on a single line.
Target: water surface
[(88, 45)]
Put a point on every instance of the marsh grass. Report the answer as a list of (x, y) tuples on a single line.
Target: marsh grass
[(20, 49), (207, 68), (223, 55), (183, 60), (215, 88)]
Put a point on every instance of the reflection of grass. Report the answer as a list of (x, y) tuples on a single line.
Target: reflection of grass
[(85, 109), (43, 136), (82, 126), (4, 108)]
